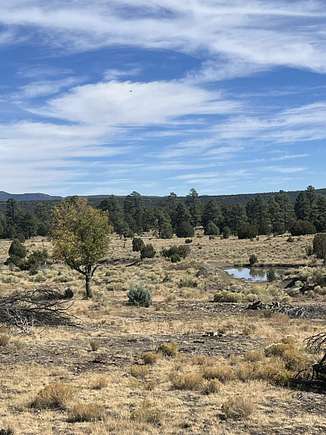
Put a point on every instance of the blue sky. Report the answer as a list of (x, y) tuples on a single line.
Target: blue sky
[(111, 96)]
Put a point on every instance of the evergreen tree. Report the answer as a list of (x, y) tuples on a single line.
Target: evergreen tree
[(212, 213), (195, 208)]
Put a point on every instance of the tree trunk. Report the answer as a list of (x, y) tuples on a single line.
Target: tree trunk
[(88, 280)]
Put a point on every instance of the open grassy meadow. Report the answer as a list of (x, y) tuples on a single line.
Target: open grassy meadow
[(184, 365)]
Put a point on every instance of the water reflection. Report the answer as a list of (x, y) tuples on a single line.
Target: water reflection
[(253, 274)]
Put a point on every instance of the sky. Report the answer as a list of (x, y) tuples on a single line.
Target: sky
[(112, 96)]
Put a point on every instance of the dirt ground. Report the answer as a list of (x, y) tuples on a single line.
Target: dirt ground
[(101, 358)]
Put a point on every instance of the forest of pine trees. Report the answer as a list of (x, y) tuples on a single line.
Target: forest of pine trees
[(128, 216)]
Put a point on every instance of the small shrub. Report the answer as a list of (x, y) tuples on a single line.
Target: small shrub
[(148, 413), (187, 381), (185, 229), (292, 357), (86, 412), (271, 275), (150, 358), (166, 231), (227, 296), (139, 296), (139, 372), (253, 260), (247, 231), (4, 340), (212, 229), (17, 249), (168, 349), (238, 408), (54, 396), (147, 251), (226, 232), (94, 345), (319, 246), (175, 251), (301, 228), (175, 258), (137, 245), (36, 260), (213, 386), (7, 431), (223, 373), (188, 241), (188, 282), (99, 382)]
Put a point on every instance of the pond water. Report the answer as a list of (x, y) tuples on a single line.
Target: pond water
[(251, 273)]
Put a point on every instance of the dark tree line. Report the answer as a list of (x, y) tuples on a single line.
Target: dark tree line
[(130, 215), (276, 214), (18, 222)]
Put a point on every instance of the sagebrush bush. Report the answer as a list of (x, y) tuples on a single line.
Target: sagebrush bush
[(137, 245), (222, 373), (53, 396), (168, 349), (139, 296), (150, 358), (147, 251), (227, 296), (212, 386), (176, 253), (238, 408)]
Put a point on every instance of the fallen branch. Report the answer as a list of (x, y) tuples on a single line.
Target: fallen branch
[(37, 307)]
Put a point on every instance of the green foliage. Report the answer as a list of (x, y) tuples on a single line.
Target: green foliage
[(271, 275), (226, 232), (166, 231), (147, 251), (253, 259), (80, 235), (137, 245), (301, 228), (17, 249), (185, 229), (176, 253), (36, 260), (212, 229), (139, 296), (247, 231)]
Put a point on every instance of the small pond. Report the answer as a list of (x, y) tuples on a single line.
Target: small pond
[(253, 274)]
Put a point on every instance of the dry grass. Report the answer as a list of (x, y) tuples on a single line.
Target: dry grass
[(180, 387), (139, 372), (238, 408), (169, 350), (222, 373), (150, 358), (4, 340), (53, 396), (147, 412), (81, 412), (187, 381)]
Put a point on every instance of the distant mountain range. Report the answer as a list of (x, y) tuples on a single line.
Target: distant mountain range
[(153, 201), (4, 196)]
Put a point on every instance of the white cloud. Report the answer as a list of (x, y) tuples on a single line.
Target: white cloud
[(240, 37), (135, 104)]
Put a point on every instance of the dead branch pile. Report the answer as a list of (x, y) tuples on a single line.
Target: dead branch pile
[(276, 307), (37, 307)]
